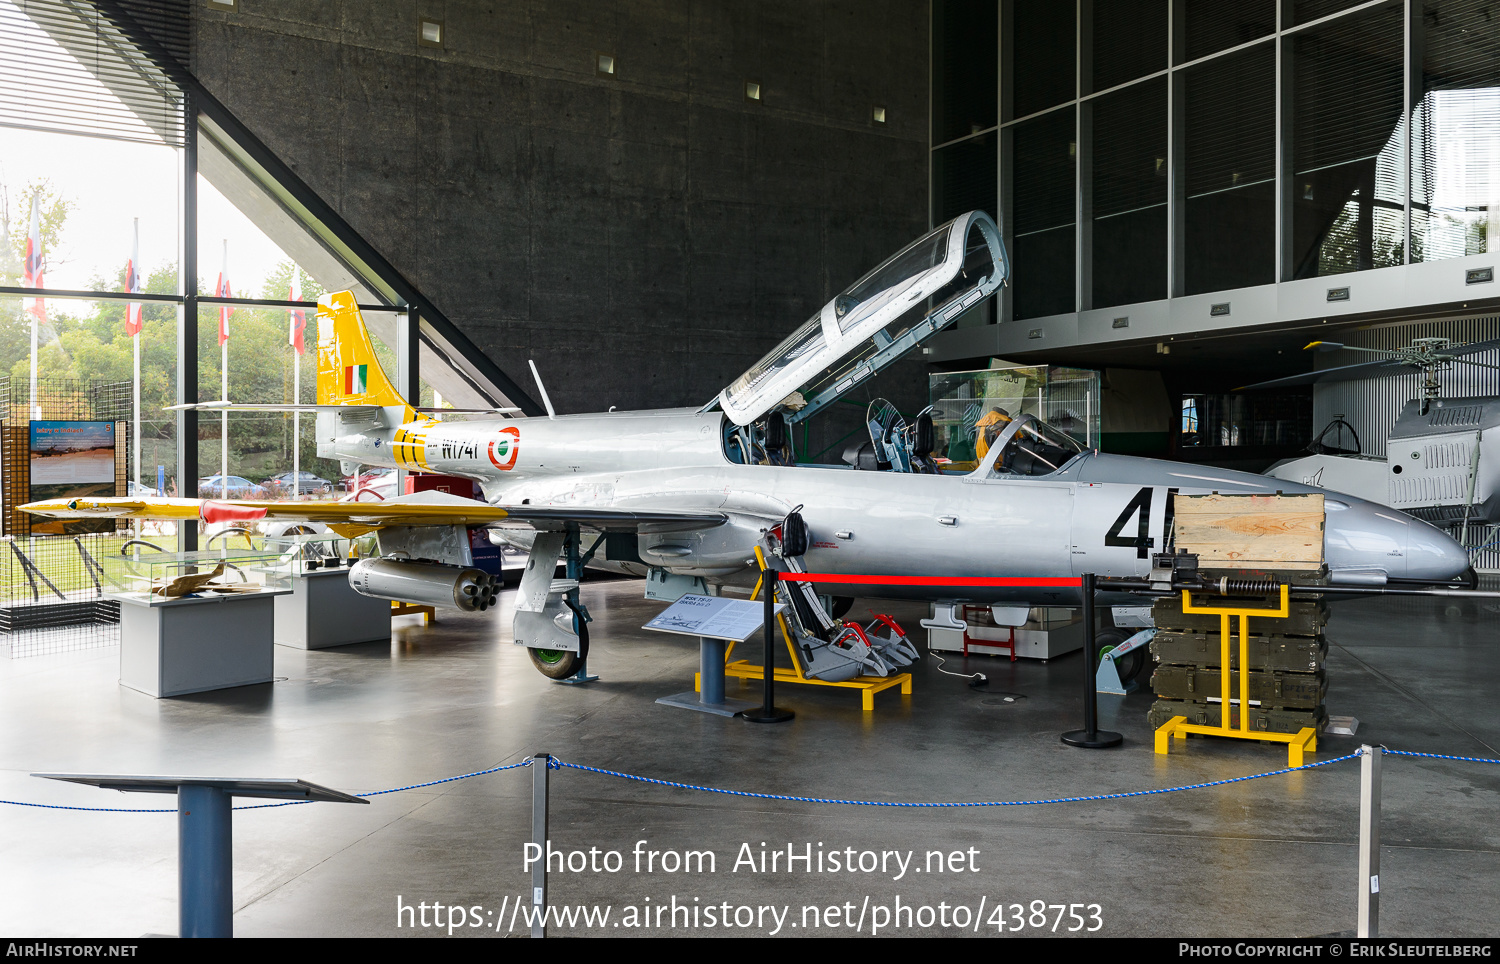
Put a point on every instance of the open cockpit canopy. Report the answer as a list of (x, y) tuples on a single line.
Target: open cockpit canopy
[(874, 322)]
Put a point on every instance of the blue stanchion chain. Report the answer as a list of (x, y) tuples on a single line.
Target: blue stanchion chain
[(56, 806), (555, 764), (1441, 756), (991, 803)]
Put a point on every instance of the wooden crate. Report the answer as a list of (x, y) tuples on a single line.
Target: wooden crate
[(1251, 531)]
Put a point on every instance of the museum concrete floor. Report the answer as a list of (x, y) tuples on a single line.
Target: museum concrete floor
[(1274, 856)]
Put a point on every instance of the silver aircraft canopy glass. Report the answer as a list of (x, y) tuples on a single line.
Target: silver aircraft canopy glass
[(874, 322)]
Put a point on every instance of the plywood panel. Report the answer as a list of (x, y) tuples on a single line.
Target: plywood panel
[(1251, 531)]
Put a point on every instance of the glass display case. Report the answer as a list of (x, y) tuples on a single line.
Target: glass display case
[(300, 554), (163, 578), (965, 404)]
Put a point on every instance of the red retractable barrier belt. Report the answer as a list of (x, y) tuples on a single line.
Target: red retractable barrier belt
[(1044, 582)]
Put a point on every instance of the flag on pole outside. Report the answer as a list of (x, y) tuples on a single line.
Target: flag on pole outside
[(221, 290), (32, 268), (298, 321), (133, 284)]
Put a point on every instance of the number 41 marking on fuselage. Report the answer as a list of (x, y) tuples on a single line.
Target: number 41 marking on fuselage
[(1140, 507)]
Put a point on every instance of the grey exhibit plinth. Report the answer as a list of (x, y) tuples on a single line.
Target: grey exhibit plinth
[(323, 610), (180, 646)]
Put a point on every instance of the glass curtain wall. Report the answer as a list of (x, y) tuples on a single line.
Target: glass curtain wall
[(113, 186), (1229, 176), (1128, 182), (1455, 142), (1043, 214), (1165, 148), (1213, 26), (1348, 200), (91, 137), (1123, 40)]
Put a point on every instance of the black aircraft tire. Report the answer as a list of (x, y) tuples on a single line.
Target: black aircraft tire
[(1133, 662), (841, 606), (554, 663)]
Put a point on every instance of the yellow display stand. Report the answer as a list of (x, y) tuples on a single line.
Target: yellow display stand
[(744, 669), (1303, 741), (428, 614)]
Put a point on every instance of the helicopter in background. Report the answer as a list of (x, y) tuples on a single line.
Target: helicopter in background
[(1439, 467)]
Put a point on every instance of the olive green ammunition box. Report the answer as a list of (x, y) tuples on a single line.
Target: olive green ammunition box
[(1262, 719), (1280, 690), (1305, 617), (1289, 654)]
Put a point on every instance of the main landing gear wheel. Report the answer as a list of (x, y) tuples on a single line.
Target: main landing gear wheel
[(555, 663), (560, 663), (1130, 666)]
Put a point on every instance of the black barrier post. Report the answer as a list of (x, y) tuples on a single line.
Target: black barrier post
[(539, 764), (1090, 737), (768, 713)]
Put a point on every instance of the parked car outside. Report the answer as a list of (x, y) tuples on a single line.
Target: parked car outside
[(364, 480), (233, 487), (283, 485), (141, 491)]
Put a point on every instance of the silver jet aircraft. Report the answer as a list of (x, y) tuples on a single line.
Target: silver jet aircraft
[(684, 496)]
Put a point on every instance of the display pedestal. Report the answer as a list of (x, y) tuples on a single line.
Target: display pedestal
[(323, 610), (186, 646), (709, 696)]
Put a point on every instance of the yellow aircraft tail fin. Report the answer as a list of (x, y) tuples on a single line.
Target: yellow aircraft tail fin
[(348, 371)]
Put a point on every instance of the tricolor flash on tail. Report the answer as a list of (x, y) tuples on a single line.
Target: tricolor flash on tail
[(348, 371)]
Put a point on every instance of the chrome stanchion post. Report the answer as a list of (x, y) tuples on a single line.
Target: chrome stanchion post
[(1369, 842), (539, 765)]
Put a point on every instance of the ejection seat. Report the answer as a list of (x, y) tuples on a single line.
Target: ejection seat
[(826, 648), (923, 439)]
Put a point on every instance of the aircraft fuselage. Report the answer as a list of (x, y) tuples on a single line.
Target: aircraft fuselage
[(1103, 514)]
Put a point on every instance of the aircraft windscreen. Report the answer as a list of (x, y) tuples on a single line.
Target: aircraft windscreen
[(1036, 448)]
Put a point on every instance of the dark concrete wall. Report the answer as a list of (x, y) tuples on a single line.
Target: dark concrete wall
[(645, 238)]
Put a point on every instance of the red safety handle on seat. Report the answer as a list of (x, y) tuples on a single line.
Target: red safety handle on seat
[(882, 617)]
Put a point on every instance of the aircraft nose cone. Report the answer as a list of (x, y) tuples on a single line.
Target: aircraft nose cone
[(1363, 537), (1433, 554)]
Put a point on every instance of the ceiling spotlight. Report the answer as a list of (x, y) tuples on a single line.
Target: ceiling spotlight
[(878, 115), (752, 90), (430, 33), (604, 65)]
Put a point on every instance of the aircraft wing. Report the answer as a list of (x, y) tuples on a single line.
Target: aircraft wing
[(421, 509), (223, 406)]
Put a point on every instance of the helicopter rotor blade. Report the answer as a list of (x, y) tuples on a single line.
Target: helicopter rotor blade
[(1383, 368), (1474, 348)]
